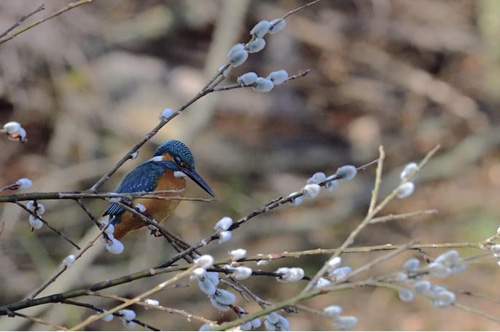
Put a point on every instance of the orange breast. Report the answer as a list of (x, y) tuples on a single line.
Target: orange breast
[(155, 208)]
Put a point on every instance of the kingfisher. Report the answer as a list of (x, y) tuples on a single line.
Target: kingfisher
[(168, 169)]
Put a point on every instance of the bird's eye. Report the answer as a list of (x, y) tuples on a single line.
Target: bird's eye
[(178, 160)]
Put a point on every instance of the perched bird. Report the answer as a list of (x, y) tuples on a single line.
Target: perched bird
[(172, 162)]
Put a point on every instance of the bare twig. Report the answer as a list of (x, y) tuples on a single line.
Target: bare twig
[(57, 13), (477, 312), (38, 320), (402, 216), (291, 12), (21, 20)]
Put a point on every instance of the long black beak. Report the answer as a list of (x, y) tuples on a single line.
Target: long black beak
[(198, 180)]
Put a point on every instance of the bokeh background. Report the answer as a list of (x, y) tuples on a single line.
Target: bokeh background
[(404, 74)]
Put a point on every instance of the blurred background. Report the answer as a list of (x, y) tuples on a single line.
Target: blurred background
[(404, 74)]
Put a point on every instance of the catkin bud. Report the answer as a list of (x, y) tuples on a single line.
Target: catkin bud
[(278, 77), (24, 183), (409, 172), (263, 85), (35, 222), (277, 25), (114, 246), (256, 45), (223, 224), (311, 190), (260, 29), (242, 273), (346, 173), (406, 190), (247, 78), (405, 294)]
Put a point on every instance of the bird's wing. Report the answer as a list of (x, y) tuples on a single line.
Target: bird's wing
[(143, 178)]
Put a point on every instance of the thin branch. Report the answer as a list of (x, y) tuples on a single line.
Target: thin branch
[(402, 216), (37, 196), (61, 234), (21, 20), (291, 12), (38, 320), (477, 312), (59, 12)]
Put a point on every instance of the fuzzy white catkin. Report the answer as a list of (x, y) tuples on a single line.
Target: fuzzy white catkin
[(152, 302), (256, 45), (405, 294), (406, 190), (345, 322), (238, 58), (316, 178), (225, 236), (347, 172), (166, 114), (242, 273), (12, 127), (127, 314), (108, 318), (31, 206), (263, 85), (205, 261), (332, 185), (260, 29), (225, 297), (311, 190), (448, 258), (141, 208), (206, 327), (422, 286), (234, 49), (110, 230), (238, 254), (297, 200), (411, 264), (223, 224), (439, 270), (278, 77), (24, 183), (68, 260), (247, 78), (322, 282), (115, 247), (341, 272), (334, 263), (277, 25), (35, 222), (333, 311), (206, 286), (409, 172)]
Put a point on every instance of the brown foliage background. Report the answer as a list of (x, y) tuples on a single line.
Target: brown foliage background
[(405, 74)]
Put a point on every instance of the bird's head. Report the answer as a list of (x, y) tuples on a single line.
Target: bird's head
[(179, 159)]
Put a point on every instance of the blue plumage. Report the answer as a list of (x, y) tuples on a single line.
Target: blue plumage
[(143, 178)]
